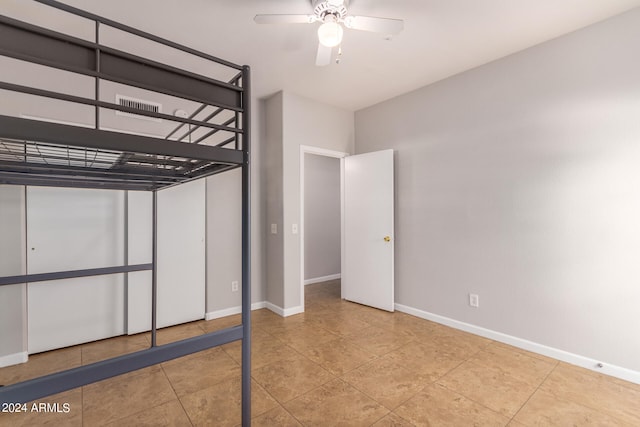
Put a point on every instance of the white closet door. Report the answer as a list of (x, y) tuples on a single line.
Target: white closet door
[(181, 253), (140, 211), (71, 229), (181, 256)]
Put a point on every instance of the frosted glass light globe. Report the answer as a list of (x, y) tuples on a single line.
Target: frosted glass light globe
[(330, 34)]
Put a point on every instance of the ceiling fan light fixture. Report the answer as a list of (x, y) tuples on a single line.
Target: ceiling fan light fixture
[(330, 34)]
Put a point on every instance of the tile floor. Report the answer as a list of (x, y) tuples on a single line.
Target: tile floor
[(338, 364)]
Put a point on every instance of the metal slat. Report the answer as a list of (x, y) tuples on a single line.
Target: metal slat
[(35, 44), (35, 130), (71, 274), (47, 385)]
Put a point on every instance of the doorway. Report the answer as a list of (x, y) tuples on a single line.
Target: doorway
[(320, 216)]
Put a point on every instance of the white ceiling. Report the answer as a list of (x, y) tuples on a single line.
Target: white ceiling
[(441, 38)]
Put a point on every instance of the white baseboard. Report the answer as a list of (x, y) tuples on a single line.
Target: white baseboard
[(13, 359), (285, 312), (231, 311), (322, 279), (565, 356)]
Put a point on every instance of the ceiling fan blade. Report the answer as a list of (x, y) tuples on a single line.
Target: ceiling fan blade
[(323, 57), (376, 25), (284, 19)]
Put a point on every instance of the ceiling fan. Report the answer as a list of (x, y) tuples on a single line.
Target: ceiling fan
[(333, 15)]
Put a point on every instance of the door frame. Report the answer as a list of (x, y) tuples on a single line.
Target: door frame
[(307, 149)]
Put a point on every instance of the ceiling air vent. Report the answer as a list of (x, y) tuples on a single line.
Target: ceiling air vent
[(138, 104)]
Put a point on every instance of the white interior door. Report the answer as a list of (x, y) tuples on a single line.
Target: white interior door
[(367, 234)]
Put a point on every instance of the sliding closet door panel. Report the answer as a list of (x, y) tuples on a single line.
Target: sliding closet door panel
[(181, 253), (140, 245), (74, 311), (71, 229), (13, 321), (139, 302), (140, 227)]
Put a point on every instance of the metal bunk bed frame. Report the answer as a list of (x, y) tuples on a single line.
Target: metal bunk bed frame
[(35, 152)]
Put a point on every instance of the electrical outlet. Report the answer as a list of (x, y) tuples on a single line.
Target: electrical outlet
[(474, 300), (274, 228), (234, 286)]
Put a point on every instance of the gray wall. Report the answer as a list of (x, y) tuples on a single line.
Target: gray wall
[(321, 216), (224, 243), (292, 121), (305, 123), (12, 262), (224, 226), (519, 181), (274, 243)]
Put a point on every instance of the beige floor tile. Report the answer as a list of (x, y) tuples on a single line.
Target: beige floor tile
[(305, 335), (288, 379), (426, 360), (438, 406), (515, 363), (393, 420), (490, 387), (125, 395), (377, 340), (170, 414), (543, 409), (264, 315), (275, 417), (200, 370), (263, 352), (105, 349), (454, 343), (386, 361), (569, 383), (221, 323), (179, 332), (386, 381), (371, 315), (65, 409), (220, 404), (618, 381), (42, 364), (403, 324), (336, 403), (338, 356), (525, 352), (275, 323), (340, 324)]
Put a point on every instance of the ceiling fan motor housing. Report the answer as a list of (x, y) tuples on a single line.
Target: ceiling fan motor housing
[(333, 8)]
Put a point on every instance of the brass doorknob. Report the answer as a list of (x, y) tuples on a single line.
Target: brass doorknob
[(387, 238)]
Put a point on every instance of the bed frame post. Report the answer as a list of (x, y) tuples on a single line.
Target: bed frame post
[(246, 248), (154, 271)]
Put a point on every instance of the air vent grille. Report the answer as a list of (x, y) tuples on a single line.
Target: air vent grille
[(138, 104)]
